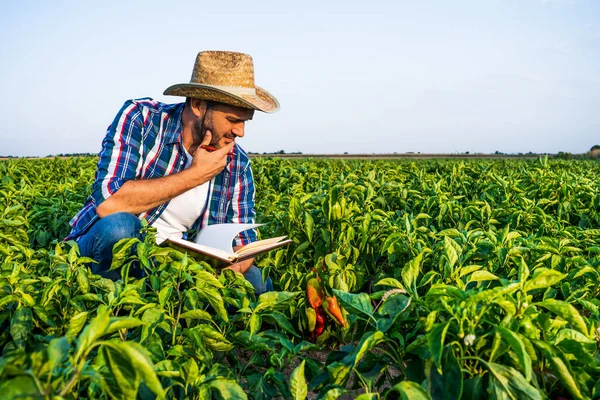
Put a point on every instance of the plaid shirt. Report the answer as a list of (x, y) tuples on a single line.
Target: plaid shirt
[(144, 142)]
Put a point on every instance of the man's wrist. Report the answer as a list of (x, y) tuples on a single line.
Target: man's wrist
[(192, 178)]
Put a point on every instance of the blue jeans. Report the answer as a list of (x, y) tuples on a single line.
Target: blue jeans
[(97, 243)]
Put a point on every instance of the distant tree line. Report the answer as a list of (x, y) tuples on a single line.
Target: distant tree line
[(593, 153), (73, 155)]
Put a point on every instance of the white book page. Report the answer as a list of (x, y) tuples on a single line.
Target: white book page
[(248, 253), (259, 244), (220, 236), (202, 249)]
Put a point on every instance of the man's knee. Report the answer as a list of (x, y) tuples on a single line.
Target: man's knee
[(118, 226), (254, 276)]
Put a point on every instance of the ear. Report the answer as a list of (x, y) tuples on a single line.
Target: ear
[(198, 107)]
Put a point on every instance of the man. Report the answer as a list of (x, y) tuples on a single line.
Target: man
[(157, 162)]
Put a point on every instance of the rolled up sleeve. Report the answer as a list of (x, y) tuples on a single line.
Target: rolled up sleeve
[(121, 153)]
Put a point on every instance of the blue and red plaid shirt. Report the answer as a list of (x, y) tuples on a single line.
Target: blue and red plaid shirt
[(144, 142)]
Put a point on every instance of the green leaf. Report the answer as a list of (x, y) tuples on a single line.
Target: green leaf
[(367, 396), (490, 295), (282, 321), (7, 300), (338, 373), (410, 272), (118, 323), (332, 394), (408, 391), (507, 383), (570, 334), (448, 385), (298, 387), (393, 307), (205, 278), (164, 294), (76, 324), (82, 281), (197, 314), (473, 389), (309, 226), (254, 323), (96, 329), (120, 377), (20, 387), (390, 282), (260, 388), (356, 303), (213, 339), (450, 251), (442, 290), (142, 365), (44, 316), (21, 324), (517, 345), (215, 299), (228, 389), (523, 271), (58, 351), (543, 278), (367, 342), (274, 300), (567, 312), (561, 367), (435, 340), (585, 270), (480, 276), (467, 269)]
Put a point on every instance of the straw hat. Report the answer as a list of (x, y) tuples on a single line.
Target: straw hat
[(225, 77)]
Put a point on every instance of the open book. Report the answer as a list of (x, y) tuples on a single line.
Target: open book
[(213, 244)]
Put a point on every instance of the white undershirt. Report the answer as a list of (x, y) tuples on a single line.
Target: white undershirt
[(182, 211)]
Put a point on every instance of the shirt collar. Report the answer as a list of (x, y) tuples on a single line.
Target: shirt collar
[(173, 127)]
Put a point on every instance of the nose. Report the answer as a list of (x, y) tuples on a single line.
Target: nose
[(238, 130)]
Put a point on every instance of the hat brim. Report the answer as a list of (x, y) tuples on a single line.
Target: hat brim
[(262, 101)]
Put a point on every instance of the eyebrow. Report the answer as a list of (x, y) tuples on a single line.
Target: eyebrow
[(233, 118)]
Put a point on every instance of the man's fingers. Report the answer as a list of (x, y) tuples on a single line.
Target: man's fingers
[(207, 138), (225, 149)]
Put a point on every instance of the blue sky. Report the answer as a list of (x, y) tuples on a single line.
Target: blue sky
[(351, 76)]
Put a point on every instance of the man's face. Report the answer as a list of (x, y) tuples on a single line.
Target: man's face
[(225, 122)]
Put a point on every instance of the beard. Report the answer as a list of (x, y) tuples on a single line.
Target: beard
[(200, 128)]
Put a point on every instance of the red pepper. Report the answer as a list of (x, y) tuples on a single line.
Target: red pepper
[(314, 293), (208, 147), (320, 323), (333, 310)]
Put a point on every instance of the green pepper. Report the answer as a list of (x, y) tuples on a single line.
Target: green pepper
[(311, 316)]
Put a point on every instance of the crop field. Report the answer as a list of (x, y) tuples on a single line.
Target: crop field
[(407, 279)]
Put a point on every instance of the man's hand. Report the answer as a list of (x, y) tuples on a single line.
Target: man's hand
[(242, 266), (206, 165)]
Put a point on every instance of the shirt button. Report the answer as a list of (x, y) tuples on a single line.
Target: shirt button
[(181, 162)]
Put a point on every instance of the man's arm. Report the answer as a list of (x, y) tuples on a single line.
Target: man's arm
[(137, 196)]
